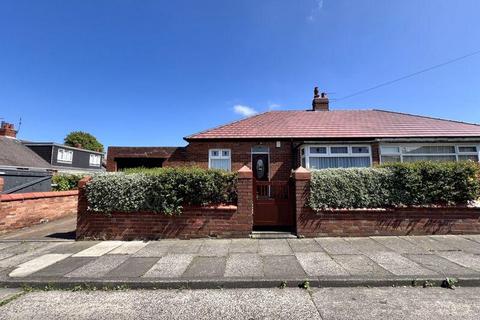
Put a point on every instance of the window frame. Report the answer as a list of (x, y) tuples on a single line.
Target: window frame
[(401, 147), (305, 157), (64, 159), (220, 157), (94, 164)]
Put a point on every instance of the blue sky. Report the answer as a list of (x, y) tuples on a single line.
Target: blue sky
[(151, 72)]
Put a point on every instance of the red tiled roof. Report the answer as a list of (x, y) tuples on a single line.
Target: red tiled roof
[(339, 124)]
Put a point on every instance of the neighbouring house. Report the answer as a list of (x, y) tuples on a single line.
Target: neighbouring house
[(276, 142), (22, 169), (66, 159)]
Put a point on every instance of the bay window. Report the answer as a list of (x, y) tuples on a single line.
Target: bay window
[(344, 156), (440, 152), (219, 159)]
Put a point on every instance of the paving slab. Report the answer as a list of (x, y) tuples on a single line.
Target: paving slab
[(205, 267), (337, 246), (185, 246), (399, 245), (73, 247), (63, 267), (170, 266), (99, 249), (360, 265), (465, 259), (282, 267), (274, 247), (429, 243), (366, 245), (129, 247), (399, 265), (304, 245), (215, 248), (460, 243), (244, 265), (37, 264), (473, 237), (319, 264), (29, 251), (4, 245), (243, 246), (154, 249), (440, 265), (99, 267), (132, 268)]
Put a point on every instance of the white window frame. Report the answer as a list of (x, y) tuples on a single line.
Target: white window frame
[(307, 155), (220, 156), (64, 156), (95, 163), (403, 145)]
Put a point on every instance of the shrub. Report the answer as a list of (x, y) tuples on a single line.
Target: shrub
[(399, 184), (435, 183), (350, 188), (163, 190), (64, 182)]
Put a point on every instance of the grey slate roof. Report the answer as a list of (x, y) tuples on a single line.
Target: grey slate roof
[(14, 154)]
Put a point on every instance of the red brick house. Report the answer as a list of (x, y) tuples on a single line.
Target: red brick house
[(275, 142)]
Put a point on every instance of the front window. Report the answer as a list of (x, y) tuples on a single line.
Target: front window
[(65, 156), (219, 159), (95, 160), (412, 153), (323, 157)]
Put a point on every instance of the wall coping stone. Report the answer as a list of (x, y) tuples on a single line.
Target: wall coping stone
[(302, 174), (36, 195)]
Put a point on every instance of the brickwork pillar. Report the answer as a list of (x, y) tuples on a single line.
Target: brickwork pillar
[(301, 177), (245, 196), (82, 206), (1, 184)]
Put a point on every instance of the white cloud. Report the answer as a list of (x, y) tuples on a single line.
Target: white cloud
[(315, 11), (272, 106), (245, 111)]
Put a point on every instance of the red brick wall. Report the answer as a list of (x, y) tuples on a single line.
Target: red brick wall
[(26, 209), (401, 221), (408, 221), (193, 222)]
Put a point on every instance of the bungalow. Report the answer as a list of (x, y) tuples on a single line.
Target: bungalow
[(275, 142)]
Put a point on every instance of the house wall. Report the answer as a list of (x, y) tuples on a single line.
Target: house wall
[(81, 159), (26, 209), (196, 153)]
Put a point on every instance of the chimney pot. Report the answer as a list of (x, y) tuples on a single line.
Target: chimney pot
[(320, 102), (7, 130)]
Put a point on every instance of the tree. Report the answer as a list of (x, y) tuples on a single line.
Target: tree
[(83, 140)]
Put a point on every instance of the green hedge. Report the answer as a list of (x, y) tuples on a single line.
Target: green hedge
[(399, 184), (64, 182), (163, 190)]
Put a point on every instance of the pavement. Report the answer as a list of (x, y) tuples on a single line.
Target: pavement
[(243, 263), (268, 303), (60, 230)]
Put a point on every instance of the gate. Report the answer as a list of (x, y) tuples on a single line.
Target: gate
[(272, 204)]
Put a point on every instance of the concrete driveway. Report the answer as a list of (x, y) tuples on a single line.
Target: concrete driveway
[(61, 229)]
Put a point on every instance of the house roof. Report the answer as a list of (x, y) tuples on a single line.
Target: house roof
[(15, 154), (339, 124), (30, 143)]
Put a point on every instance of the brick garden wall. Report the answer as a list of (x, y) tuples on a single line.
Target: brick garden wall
[(26, 209), (400, 221), (193, 222)]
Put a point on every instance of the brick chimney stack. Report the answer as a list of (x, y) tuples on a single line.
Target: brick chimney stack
[(320, 101), (7, 130)]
